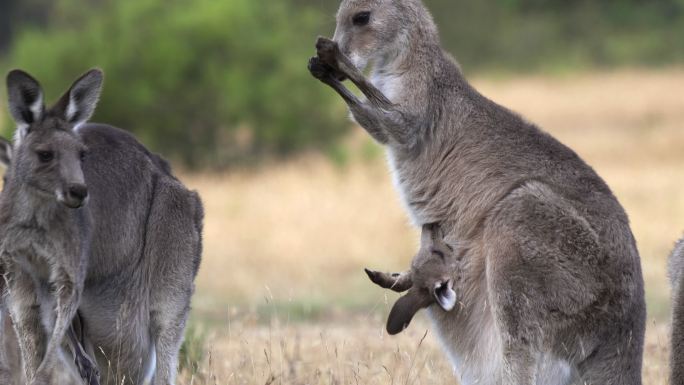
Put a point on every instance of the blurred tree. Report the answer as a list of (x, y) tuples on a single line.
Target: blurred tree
[(209, 82), (26, 12)]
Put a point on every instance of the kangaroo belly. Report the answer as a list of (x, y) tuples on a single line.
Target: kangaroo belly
[(472, 344), (476, 356)]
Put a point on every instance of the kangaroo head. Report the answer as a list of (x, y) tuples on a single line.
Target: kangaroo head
[(47, 152), (430, 281), (378, 30)]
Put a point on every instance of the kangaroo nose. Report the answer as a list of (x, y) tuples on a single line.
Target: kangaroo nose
[(78, 192)]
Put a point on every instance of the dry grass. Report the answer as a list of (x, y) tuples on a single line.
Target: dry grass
[(354, 352), (288, 242)]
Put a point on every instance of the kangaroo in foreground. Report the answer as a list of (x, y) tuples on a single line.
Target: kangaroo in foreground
[(139, 236), (10, 359), (676, 272), (44, 224), (551, 289)]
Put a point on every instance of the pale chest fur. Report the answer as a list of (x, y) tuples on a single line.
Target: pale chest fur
[(425, 199), (389, 83), (402, 187)]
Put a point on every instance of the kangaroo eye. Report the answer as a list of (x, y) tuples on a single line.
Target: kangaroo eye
[(45, 156), (361, 19), (82, 155), (438, 253)]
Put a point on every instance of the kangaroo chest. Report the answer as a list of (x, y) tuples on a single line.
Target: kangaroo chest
[(388, 83), (40, 252), (426, 197)]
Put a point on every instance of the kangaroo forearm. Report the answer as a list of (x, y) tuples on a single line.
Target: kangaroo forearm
[(329, 53), (30, 337), (325, 74), (374, 95), (392, 125)]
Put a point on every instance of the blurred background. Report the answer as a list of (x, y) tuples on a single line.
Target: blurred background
[(298, 200)]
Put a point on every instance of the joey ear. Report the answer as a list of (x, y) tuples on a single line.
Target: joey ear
[(78, 104), (404, 309), (445, 295), (25, 100), (5, 152)]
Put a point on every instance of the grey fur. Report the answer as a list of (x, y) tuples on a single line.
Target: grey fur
[(141, 247), (676, 273), (548, 275)]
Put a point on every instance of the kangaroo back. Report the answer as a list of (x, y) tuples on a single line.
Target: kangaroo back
[(676, 272)]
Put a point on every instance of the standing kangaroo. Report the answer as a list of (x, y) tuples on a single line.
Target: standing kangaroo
[(676, 272), (551, 289), (10, 358), (44, 224), (139, 239)]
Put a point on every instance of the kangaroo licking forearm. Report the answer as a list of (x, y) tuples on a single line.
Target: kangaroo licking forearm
[(550, 286), (383, 120)]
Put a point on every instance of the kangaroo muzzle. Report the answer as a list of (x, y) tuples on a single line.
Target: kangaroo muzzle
[(74, 196)]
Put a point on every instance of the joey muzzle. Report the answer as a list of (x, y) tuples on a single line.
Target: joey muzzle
[(405, 308), (416, 299)]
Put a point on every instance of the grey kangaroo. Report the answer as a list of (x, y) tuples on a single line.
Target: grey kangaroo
[(551, 288), (676, 272), (10, 360), (44, 224), (138, 242), (433, 279)]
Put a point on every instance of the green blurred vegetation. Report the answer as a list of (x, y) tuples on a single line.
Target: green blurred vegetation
[(217, 83), (207, 82)]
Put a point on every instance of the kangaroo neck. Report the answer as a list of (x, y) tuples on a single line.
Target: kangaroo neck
[(24, 206)]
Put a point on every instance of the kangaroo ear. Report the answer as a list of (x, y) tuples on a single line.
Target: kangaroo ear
[(445, 295), (25, 99), (5, 152), (427, 234), (78, 104), (404, 309)]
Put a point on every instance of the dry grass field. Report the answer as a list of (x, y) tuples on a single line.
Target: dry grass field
[(282, 298)]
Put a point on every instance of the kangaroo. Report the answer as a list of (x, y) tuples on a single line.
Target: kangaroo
[(431, 280), (676, 273), (551, 288), (10, 360), (142, 240), (44, 222)]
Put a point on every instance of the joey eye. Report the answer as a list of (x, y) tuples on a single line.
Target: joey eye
[(439, 253), (361, 19), (45, 156), (82, 155)]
